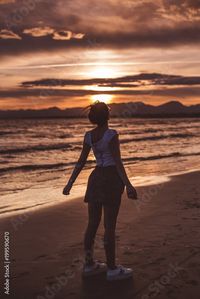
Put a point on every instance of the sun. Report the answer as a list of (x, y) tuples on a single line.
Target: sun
[(106, 98), (102, 72)]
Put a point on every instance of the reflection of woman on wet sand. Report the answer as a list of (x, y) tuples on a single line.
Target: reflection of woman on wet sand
[(104, 190)]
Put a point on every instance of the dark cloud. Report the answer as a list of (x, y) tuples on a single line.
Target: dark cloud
[(60, 93), (110, 23), (21, 14), (43, 93), (30, 44), (136, 85), (187, 4), (119, 39), (148, 78)]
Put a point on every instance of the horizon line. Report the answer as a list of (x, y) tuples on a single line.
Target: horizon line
[(84, 107)]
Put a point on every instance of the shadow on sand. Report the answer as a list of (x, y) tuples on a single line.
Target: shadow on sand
[(98, 288)]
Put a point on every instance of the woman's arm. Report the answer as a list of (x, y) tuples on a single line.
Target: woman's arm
[(115, 150), (78, 167)]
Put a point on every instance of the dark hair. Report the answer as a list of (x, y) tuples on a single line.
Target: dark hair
[(99, 113)]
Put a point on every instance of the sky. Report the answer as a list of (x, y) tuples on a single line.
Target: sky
[(70, 53)]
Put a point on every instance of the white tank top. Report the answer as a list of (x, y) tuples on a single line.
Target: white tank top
[(101, 149)]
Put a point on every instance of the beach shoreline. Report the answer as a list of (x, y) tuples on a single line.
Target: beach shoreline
[(155, 233), (29, 200)]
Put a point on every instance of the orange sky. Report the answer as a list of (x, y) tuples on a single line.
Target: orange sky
[(107, 40)]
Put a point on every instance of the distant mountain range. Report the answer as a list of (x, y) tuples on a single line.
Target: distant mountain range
[(131, 109)]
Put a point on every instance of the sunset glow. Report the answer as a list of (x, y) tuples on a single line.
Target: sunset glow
[(126, 51), (102, 72), (106, 98)]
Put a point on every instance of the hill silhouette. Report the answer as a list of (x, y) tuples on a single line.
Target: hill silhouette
[(130, 109)]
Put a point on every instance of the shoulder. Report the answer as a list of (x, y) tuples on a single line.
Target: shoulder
[(88, 133), (112, 132)]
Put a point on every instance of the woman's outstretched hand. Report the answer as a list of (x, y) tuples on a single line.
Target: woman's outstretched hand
[(67, 188), (131, 192)]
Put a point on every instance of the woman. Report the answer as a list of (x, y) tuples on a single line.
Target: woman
[(104, 190)]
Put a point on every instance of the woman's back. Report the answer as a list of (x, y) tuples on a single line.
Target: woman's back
[(100, 147)]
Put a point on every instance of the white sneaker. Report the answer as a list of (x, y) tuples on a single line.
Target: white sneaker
[(119, 273), (94, 269)]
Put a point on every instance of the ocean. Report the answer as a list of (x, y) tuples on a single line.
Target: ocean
[(39, 154)]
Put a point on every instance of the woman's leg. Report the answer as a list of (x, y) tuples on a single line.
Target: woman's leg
[(110, 219), (94, 215)]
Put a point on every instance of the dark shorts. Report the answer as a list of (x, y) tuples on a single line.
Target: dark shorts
[(104, 186)]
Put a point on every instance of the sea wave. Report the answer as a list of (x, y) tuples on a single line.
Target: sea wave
[(30, 167), (158, 157), (3, 133), (159, 137), (35, 167), (39, 147), (76, 145)]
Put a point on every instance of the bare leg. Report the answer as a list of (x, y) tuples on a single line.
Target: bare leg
[(110, 218), (94, 214)]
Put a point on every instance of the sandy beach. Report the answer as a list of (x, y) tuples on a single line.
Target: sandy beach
[(158, 236)]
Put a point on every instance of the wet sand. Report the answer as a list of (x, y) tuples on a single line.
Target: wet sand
[(158, 236)]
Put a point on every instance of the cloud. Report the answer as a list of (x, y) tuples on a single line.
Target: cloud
[(56, 35), (62, 35), (112, 23), (185, 35), (7, 34), (39, 31), (175, 92), (187, 4), (142, 79), (67, 35), (147, 86), (185, 10), (139, 12)]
